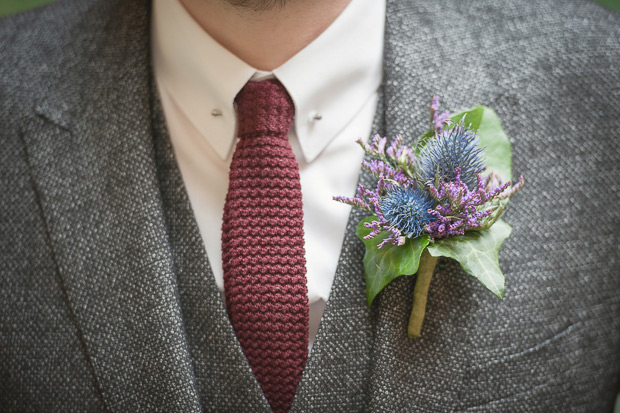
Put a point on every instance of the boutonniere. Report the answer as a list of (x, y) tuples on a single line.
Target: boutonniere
[(441, 197)]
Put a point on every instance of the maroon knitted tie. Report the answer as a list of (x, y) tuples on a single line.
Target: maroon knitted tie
[(263, 245)]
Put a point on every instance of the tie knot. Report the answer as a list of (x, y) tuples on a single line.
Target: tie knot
[(264, 107)]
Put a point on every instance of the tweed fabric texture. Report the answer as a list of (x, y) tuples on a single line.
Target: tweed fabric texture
[(108, 300), (90, 318), (263, 244)]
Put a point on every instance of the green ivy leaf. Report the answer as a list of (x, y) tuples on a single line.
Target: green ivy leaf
[(492, 138), (390, 262), (478, 254)]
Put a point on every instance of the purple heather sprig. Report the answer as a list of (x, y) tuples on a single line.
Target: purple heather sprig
[(493, 180), (381, 169), (460, 209), (438, 120), (393, 159)]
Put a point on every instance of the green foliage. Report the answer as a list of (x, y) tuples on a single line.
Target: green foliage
[(14, 6), (613, 5), (478, 254), (390, 262)]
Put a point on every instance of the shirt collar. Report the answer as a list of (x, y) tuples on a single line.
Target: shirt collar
[(329, 80)]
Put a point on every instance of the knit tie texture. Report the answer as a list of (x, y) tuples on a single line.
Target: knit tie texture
[(263, 245)]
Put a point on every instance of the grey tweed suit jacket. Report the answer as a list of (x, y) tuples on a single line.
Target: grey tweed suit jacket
[(107, 300)]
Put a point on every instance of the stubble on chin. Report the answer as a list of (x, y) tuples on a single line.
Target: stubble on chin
[(258, 5)]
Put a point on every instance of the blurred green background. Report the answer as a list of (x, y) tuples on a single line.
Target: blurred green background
[(14, 6), (611, 4)]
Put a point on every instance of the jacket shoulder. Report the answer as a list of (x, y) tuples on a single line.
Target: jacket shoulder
[(33, 44)]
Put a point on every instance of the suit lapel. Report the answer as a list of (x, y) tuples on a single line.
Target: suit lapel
[(92, 163)]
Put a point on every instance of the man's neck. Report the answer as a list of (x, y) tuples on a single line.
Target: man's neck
[(265, 39)]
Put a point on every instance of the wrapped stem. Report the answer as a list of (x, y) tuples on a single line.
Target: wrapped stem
[(420, 293)]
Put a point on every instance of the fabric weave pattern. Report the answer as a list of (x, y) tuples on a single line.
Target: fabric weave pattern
[(263, 245)]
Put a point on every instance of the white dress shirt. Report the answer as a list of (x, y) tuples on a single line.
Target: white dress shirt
[(333, 83)]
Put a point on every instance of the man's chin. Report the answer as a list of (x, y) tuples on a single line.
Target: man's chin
[(258, 5)]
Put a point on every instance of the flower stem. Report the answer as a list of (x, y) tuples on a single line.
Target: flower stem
[(420, 293)]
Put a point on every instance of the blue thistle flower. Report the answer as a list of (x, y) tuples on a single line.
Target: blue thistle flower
[(406, 209), (448, 150)]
